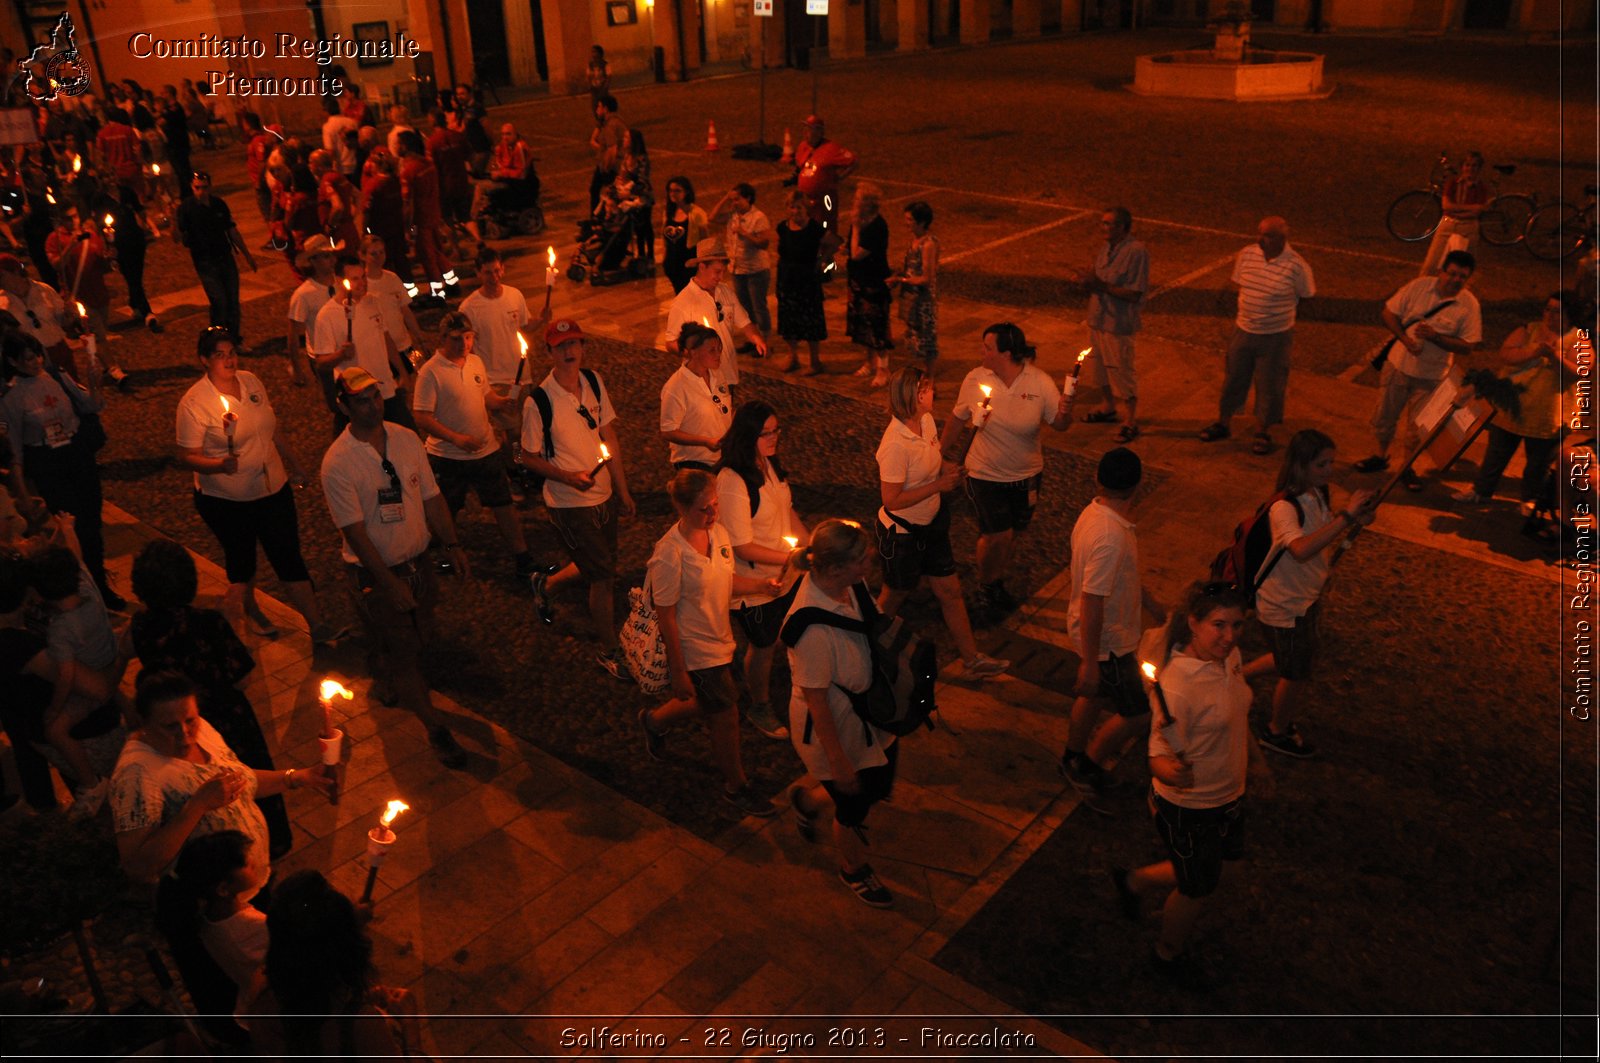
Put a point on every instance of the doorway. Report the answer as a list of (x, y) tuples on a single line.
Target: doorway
[(486, 25)]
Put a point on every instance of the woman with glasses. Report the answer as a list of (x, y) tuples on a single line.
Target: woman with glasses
[(683, 225), (914, 523), (758, 513), (696, 408), (244, 480), (1200, 759)]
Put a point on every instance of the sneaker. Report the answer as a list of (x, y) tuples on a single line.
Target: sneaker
[(153, 323), (87, 801), (866, 885), (763, 719), (1375, 463), (450, 752), (541, 598), (1291, 743), (1087, 777), (749, 802), (1183, 970), (805, 823), (655, 743), (1411, 480), (615, 665), (981, 667), (1469, 497), (1130, 902), (325, 634)]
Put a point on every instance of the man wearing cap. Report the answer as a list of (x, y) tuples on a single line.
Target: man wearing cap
[(452, 406), (564, 424), (819, 165), (709, 300), (386, 504), (350, 330), (1104, 623), (205, 226), (316, 258), (37, 309)]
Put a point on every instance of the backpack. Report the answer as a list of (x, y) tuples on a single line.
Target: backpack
[(1245, 562), (541, 399), (904, 667)]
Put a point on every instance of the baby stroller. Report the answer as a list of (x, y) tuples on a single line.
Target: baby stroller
[(513, 210), (605, 253)]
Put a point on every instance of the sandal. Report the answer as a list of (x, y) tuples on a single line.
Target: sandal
[(1213, 432), (1263, 444), (865, 370), (1128, 434), (1099, 417)]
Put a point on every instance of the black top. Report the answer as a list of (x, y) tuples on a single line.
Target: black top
[(26, 695), (872, 271), (205, 228)]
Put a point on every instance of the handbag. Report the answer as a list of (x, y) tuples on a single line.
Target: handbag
[(763, 622), (1383, 352), (91, 430), (642, 645)]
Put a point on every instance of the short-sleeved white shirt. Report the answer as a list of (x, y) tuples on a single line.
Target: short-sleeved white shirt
[(695, 304), (1463, 321), (577, 446), (306, 301), (46, 306), (454, 394), (352, 476), (766, 527), (1006, 448), (497, 323), (747, 259), (200, 427), (700, 408), (1270, 292), (701, 588), (366, 328), (827, 658), (390, 292), (1105, 562), (910, 457), (1210, 706), (1292, 587)]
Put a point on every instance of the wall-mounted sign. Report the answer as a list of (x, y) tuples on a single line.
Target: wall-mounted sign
[(816, 7), (764, 8)]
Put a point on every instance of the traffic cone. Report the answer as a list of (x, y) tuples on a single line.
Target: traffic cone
[(788, 148), (711, 136)]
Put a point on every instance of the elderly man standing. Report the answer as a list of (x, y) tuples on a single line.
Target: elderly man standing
[(1432, 319), (1271, 278), (1117, 283), (708, 300), (819, 165)]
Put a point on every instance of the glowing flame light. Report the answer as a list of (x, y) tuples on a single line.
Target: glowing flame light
[(332, 688), (110, 221), (1149, 670), (987, 391), (155, 168), (792, 540), (50, 199), (81, 311), (1084, 353), (605, 452), (77, 164), (522, 341), (395, 808), (550, 253), (225, 408)]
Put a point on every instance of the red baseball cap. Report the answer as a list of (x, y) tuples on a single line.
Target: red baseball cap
[(561, 330)]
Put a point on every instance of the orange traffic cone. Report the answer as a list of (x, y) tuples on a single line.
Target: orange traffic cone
[(788, 148), (711, 136)]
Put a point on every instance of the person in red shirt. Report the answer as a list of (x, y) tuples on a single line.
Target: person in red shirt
[(259, 143), (338, 206), (450, 152), (121, 150), (82, 261), (382, 206), (419, 187), (819, 165)]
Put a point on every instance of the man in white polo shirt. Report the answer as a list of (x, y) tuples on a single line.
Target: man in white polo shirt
[(498, 313), (565, 422), (386, 504), (1271, 278), (316, 259), (708, 300), (350, 331)]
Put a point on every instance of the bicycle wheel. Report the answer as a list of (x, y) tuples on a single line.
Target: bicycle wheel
[(1505, 220), (1414, 215), (1554, 232)]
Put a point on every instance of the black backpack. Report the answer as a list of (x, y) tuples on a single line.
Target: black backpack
[(1249, 559), (900, 698), (541, 399)]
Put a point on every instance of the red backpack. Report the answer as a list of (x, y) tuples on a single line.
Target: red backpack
[(1249, 559)]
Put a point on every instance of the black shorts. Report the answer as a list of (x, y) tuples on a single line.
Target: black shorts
[(1004, 506), (715, 689), (484, 477), (1123, 686), (1294, 649), (1198, 840), (910, 555), (850, 810), (590, 535)]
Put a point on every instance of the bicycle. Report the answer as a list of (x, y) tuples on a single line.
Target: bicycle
[(1558, 230), (1414, 216)]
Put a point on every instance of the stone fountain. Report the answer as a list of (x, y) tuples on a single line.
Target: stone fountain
[(1231, 69)]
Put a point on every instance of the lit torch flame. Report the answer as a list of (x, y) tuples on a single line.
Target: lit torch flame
[(332, 688), (110, 221), (792, 540), (987, 391), (605, 452), (225, 409), (82, 312), (155, 168), (395, 808), (77, 164), (550, 253), (1149, 671), (50, 199), (522, 341), (1084, 353)]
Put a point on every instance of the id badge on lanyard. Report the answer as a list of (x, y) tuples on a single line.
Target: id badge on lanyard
[(391, 506), (56, 434)]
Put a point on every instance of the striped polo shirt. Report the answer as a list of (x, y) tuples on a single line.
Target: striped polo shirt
[(1270, 291)]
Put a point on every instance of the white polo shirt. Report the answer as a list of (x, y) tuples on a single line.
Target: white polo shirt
[(910, 457), (1462, 320), (1270, 292), (454, 394), (390, 292), (305, 302), (352, 477), (497, 323), (46, 307), (747, 259), (695, 304), (1292, 587), (827, 658), (577, 446), (200, 427), (1105, 562), (365, 327), (1210, 706), (1006, 448), (699, 407), (701, 587), (766, 527)]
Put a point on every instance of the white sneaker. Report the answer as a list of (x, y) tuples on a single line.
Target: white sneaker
[(981, 667)]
